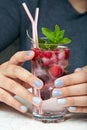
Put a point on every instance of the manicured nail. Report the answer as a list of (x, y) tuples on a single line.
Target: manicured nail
[(56, 93), (23, 108), (28, 53), (37, 101), (61, 101), (38, 84), (78, 69), (72, 108), (58, 83)]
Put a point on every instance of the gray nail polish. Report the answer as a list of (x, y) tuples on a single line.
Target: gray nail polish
[(23, 108), (61, 101), (37, 83), (36, 100), (59, 83), (28, 53), (72, 108), (56, 93)]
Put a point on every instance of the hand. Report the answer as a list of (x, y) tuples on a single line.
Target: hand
[(14, 80), (71, 91)]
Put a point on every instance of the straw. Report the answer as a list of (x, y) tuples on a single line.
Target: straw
[(34, 23)]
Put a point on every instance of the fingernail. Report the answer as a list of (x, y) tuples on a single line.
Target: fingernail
[(28, 53), (38, 84), (56, 93), (23, 108), (61, 101), (72, 108), (58, 83), (36, 100), (78, 69)]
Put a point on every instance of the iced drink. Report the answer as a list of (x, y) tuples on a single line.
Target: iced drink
[(48, 65)]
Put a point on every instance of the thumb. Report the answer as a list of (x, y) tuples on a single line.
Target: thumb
[(21, 56)]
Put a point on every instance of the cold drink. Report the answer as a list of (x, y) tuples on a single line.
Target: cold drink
[(48, 65)]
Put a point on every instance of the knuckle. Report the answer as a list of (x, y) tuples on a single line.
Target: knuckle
[(12, 86), (3, 66), (14, 60), (8, 68), (14, 103), (15, 69), (28, 77), (66, 91), (70, 101)]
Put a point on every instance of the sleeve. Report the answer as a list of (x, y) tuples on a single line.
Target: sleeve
[(9, 22)]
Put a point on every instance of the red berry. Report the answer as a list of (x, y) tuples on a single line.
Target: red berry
[(67, 52), (41, 54), (48, 54), (56, 71), (37, 52), (56, 51)]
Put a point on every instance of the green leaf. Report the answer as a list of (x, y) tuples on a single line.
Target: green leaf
[(53, 38), (65, 40), (48, 33), (40, 40), (57, 29), (61, 34)]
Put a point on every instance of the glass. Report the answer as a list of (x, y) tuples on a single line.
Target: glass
[(48, 65)]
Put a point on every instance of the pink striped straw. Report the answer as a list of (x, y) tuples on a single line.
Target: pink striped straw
[(34, 24)]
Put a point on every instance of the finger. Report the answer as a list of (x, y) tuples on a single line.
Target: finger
[(78, 69), (19, 90), (75, 90), (73, 101), (9, 100), (26, 85), (77, 109), (75, 78), (85, 68), (14, 71), (21, 57)]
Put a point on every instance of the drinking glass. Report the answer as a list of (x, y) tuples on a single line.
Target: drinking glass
[(48, 65)]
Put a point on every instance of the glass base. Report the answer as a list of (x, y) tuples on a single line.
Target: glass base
[(48, 119)]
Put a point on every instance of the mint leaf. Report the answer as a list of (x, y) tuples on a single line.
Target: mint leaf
[(54, 38), (65, 40), (48, 33), (61, 34), (57, 29), (40, 40)]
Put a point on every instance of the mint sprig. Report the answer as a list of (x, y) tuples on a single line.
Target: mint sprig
[(53, 38)]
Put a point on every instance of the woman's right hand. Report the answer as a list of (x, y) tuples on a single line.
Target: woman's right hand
[(15, 80)]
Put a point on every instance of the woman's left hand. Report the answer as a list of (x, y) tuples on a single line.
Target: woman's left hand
[(71, 91)]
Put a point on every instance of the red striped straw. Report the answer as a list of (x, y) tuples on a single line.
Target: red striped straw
[(34, 23)]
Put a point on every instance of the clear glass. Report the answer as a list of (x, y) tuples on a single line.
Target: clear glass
[(48, 65)]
